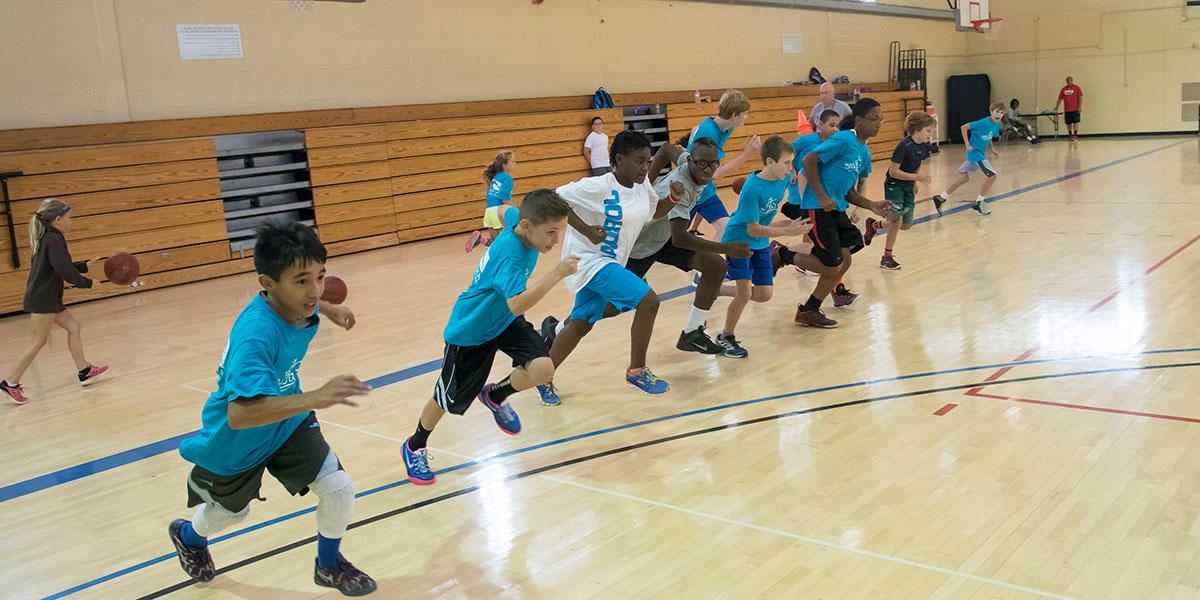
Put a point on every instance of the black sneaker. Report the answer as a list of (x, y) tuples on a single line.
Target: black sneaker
[(196, 562), (345, 578), (730, 346), (938, 201), (547, 331), (698, 341)]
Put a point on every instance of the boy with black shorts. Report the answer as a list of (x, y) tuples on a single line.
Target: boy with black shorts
[(490, 316), (827, 125), (900, 187), (832, 170), (665, 239), (978, 136), (259, 420)]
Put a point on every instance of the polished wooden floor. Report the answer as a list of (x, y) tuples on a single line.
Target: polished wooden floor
[(903, 455)]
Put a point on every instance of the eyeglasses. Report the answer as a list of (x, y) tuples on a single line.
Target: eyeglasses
[(705, 164)]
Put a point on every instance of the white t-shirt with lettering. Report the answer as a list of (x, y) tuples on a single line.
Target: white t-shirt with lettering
[(620, 210), (598, 143)]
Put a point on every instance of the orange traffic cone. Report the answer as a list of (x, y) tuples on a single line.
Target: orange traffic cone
[(803, 127)]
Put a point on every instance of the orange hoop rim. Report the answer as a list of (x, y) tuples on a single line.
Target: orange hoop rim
[(978, 24)]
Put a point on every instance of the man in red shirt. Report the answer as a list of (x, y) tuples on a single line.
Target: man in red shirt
[(1071, 98)]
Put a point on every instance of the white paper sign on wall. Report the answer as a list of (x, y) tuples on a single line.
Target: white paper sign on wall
[(209, 42), (792, 43)]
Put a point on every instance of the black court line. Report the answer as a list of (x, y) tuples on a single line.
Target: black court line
[(654, 442)]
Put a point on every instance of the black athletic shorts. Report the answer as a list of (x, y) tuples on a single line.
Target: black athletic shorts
[(831, 232), (295, 464), (465, 369), (792, 211), (1071, 117), (669, 254)]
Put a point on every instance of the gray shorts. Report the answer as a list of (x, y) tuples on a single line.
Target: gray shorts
[(598, 171), (974, 166)]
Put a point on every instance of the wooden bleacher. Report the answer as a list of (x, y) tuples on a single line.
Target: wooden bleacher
[(380, 175)]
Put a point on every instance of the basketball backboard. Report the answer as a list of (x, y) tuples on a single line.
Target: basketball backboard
[(968, 12)]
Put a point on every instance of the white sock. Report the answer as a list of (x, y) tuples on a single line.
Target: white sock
[(558, 328), (695, 319), (945, 194), (979, 198)]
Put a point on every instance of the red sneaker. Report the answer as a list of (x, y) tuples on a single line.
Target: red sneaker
[(842, 296), (14, 391), (873, 227), (90, 374), (814, 318), (474, 240), (776, 261)]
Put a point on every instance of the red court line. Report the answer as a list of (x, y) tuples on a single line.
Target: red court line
[(1095, 307), (943, 410), (1000, 373), (1172, 255), (1117, 411)]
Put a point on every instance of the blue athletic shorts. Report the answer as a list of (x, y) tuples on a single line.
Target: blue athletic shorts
[(614, 285), (757, 268), (710, 206)]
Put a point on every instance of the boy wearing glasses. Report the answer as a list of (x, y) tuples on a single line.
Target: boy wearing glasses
[(665, 239), (832, 169)]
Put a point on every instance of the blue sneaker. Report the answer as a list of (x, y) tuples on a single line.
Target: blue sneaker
[(417, 464), (549, 395), (647, 382), (506, 418)]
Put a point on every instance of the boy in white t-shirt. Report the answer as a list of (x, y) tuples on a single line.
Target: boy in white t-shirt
[(595, 148), (607, 213)]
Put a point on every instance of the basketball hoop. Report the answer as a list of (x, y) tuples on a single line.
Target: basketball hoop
[(990, 28)]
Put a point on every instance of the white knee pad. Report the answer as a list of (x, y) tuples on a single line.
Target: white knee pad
[(335, 509), (212, 518)]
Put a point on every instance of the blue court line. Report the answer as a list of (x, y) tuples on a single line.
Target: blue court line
[(70, 474), (598, 432)]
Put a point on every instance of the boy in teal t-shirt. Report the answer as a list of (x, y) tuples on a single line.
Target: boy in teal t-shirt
[(978, 136), (751, 224), (258, 419), (489, 317)]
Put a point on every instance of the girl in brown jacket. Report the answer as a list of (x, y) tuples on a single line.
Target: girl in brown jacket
[(50, 267)]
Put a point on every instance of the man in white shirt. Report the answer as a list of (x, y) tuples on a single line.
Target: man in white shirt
[(595, 148), (607, 214), (828, 101)]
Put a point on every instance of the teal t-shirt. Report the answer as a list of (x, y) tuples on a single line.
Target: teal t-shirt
[(982, 133), (500, 191), (708, 129), (801, 146), (843, 161), (758, 203), (262, 359), (481, 312)]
